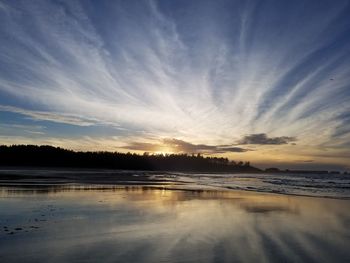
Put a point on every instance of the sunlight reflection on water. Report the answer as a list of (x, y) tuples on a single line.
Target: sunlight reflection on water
[(139, 224)]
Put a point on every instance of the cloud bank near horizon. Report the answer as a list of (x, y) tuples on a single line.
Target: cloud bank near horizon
[(179, 146), (263, 139)]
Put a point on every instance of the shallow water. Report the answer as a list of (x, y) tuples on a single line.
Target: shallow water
[(321, 185), (138, 224)]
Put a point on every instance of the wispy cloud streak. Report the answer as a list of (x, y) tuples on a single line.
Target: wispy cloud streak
[(50, 116)]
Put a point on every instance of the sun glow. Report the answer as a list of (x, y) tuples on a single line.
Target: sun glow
[(163, 152)]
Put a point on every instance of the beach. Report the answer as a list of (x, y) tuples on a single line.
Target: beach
[(81, 222), (174, 131)]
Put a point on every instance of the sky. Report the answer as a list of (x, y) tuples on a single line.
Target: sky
[(260, 81)]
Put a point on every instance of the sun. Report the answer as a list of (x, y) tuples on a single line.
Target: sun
[(159, 153), (164, 151)]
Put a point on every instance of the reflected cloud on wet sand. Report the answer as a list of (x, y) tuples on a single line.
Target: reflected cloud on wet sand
[(140, 224)]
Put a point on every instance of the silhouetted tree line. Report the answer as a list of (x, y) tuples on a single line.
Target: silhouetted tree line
[(48, 156)]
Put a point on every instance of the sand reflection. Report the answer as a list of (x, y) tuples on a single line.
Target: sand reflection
[(140, 224)]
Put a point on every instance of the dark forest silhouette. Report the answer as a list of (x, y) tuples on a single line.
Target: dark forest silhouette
[(48, 156)]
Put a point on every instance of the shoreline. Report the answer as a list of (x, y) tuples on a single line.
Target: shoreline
[(63, 187), (86, 169), (17, 177)]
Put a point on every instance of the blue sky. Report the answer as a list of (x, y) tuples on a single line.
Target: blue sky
[(264, 81)]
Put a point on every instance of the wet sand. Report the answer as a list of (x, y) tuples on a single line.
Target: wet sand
[(52, 176), (94, 223)]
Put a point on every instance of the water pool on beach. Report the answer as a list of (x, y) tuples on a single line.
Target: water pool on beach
[(89, 223)]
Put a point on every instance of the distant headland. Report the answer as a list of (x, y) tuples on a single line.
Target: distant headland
[(49, 156)]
